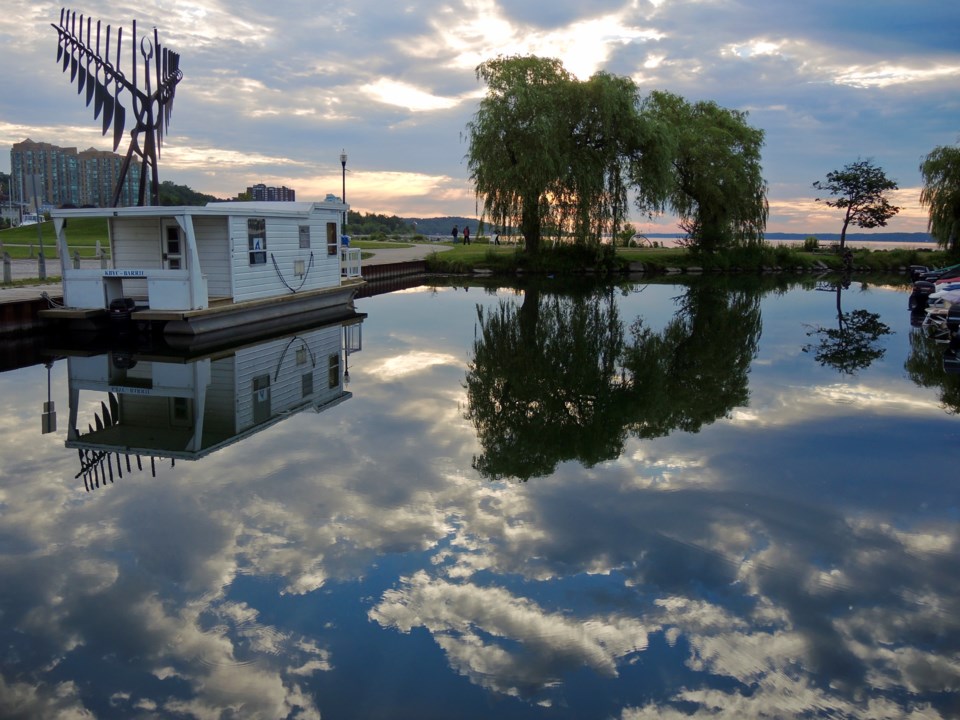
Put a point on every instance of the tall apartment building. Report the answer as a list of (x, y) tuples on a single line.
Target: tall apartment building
[(99, 170), (67, 177), (261, 193)]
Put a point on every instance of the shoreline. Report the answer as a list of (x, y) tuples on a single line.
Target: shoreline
[(673, 242)]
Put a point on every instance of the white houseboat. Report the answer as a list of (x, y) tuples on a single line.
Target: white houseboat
[(217, 268), (156, 406)]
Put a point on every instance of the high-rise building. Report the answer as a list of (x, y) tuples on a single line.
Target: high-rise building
[(43, 174), (262, 193), (65, 177), (99, 170)]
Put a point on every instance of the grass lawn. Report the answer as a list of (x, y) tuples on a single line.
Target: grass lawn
[(82, 235), (378, 244), (478, 252)]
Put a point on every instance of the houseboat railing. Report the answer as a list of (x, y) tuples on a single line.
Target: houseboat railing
[(350, 262)]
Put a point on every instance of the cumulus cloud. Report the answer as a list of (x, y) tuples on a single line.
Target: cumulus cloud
[(504, 642)]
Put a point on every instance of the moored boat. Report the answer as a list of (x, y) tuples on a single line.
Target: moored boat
[(191, 270)]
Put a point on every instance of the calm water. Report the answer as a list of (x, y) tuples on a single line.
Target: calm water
[(650, 501)]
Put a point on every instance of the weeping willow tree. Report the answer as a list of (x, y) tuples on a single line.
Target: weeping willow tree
[(612, 150), (716, 185), (556, 156), (941, 195)]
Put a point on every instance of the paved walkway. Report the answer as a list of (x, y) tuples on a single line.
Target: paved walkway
[(393, 255), (27, 269)]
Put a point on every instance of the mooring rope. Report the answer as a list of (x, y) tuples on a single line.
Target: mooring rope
[(284, 280), (50, 301)]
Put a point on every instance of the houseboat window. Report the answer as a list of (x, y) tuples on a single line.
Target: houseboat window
[(304, 236), (257, 240), (173, 240), (332, 243), (180, 412), (172, 253), (333, 375), (306, 385)]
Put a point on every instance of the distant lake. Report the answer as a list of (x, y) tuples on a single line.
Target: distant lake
[(649, 500)]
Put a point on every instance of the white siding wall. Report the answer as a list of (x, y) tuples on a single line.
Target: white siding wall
[(218, 418), (145, 411), (213, 246), (286, 386), (136, 245), (283, 245)]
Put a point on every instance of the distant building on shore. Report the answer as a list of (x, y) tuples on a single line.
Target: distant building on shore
[(49, 176), (264, 193)]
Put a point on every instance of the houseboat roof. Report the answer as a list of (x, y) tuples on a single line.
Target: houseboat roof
[(218, 209)]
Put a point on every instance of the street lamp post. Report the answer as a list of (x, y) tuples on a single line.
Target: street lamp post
[(343, 196), (42, 261)]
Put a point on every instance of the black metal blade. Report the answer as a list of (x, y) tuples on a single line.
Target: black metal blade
[(119, 120), (91, 80), (107, 110), (99, 93)]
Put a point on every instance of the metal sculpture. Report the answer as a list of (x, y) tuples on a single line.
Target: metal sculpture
[(78, 48)]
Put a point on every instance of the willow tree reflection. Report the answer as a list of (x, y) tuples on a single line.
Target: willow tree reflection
[(554, 379), (695, 370), (852, 345), (925, 367), (543, 385)]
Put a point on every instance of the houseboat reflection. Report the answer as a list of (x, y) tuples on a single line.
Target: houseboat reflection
[(156, 405)]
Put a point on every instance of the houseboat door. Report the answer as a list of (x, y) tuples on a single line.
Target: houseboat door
[(172, 246)]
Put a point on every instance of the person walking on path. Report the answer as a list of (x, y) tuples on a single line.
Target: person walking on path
[(466, 234), (454, 234), (496, 236)]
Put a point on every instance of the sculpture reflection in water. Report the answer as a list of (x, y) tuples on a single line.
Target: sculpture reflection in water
[(556, 379), (164, 406), (852, 345)]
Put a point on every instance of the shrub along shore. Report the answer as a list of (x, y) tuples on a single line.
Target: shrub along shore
[(480, 258)]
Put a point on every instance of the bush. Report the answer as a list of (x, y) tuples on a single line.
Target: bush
[(783, 256), (811, 244)]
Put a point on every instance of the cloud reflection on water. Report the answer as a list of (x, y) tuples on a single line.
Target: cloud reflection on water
[(751, 568)]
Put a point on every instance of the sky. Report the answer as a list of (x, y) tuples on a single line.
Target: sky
[(274, 92)]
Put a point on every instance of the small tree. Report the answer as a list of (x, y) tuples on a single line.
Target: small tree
[(859, 189), (941, 195)]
